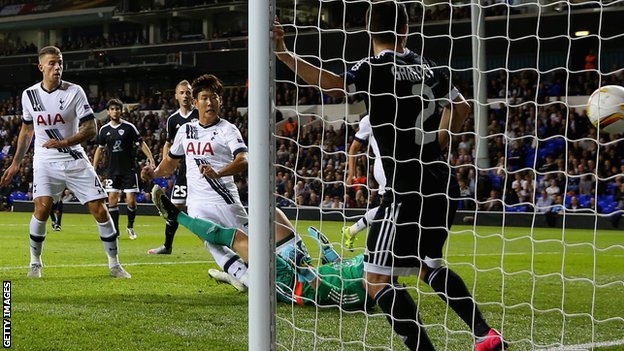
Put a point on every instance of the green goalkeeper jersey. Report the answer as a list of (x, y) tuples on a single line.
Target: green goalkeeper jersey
[(341, 284)]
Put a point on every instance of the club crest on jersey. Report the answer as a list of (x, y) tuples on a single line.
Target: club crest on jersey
[(49, 120), (121, 132), (61, 101), (199, 148)]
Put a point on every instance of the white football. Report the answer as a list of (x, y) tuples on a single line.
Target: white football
[(605, 109)]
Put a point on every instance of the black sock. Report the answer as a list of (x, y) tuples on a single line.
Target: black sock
[(170, 230), (114, 212), (402, 314), (447, 283), (59, 212), (131, 217)]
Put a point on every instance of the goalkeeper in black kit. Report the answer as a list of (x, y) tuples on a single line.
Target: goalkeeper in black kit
[(336, 283), (404, 94)]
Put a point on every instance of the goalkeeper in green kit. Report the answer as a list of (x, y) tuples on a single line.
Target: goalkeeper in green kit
[(336, 283)]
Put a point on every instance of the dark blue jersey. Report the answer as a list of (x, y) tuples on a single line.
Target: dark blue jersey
[(121, 142), (405, 94)]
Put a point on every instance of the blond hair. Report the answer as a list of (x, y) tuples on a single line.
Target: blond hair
[(49, 50)]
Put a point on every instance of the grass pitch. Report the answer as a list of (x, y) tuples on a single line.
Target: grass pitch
[(543, 287)]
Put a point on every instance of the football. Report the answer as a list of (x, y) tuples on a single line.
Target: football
[(605, 109)]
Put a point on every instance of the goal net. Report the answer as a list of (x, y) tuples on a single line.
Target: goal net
[(537, 237)]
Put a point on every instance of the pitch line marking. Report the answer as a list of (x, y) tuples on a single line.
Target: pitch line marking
[(106, 265), (587, 346)]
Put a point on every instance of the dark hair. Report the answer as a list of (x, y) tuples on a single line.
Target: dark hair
[(49, 50), (207, 82), (385, 19), (114, 102)]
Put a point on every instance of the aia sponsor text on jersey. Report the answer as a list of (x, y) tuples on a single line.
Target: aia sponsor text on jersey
[(199, 148), (50, 120)]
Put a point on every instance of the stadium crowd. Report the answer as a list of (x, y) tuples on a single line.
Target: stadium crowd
[(536, 146)]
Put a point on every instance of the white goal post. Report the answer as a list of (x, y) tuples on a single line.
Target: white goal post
[(261, 233)]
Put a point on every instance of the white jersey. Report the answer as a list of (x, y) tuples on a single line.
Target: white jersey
[(56, 115), (365, 134), (216, 145)]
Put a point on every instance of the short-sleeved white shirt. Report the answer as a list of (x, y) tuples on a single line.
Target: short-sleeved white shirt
[(216, 145), (365, 134), (56, 115)]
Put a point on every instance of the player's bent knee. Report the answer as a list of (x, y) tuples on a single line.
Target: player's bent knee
[(98, 210), (374, 283)]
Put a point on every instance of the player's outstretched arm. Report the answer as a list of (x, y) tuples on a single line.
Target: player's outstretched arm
[(333, 83), (165, 168), (23, 143)]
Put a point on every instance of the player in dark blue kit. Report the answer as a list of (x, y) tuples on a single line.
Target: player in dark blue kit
[(404, 93), (186, 113), (120, 139)]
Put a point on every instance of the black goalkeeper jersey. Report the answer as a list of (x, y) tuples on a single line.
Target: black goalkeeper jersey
[(174, 122), (121, 142), (404, 95)]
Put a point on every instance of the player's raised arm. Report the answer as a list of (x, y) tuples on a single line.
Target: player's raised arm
[(23, 143), (333, 83)]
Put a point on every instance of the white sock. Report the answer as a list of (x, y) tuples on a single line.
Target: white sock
[(364, 222), (108, 235), (244, 279), (37, 238), (227, 260), (358, 226)]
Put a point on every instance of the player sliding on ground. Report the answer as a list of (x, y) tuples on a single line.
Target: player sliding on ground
[(336, 283)]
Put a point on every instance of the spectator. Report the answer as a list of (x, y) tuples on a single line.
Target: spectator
[(553, 189), (493, 203), (574, 205), (284, 201), (336, 203), (544, 202), (327, 202)]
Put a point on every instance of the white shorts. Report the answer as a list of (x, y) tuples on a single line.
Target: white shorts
[(229, 216), (51, 179)]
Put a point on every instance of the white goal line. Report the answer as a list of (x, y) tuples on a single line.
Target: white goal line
[(587, 346), (106, 265)]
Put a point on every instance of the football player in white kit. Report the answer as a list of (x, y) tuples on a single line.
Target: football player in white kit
[(59, 116), (363, 135), (214, 152)]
